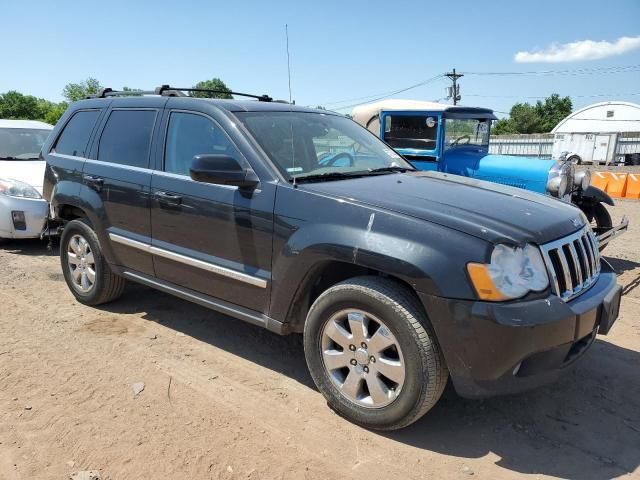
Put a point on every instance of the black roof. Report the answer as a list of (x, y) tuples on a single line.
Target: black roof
[(232, 105)]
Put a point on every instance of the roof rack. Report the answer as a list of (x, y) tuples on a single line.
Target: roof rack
[(168, 91)]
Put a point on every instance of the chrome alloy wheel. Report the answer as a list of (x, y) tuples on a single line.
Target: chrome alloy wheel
[(363, 358), (81, 263)]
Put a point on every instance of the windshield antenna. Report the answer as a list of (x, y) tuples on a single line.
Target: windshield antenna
[(286, 33)]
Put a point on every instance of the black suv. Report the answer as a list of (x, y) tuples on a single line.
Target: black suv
[(300, 220)]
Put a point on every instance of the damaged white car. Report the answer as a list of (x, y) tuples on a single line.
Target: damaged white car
[(23, 211)]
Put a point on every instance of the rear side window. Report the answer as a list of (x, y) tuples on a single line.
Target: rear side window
[(126, 137), (74, 139), (189, 135)]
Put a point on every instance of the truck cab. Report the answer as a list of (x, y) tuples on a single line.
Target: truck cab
[(455, 139)]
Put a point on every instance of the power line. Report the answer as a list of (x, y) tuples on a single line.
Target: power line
[(577, 71), (546, 96), (384, 95)]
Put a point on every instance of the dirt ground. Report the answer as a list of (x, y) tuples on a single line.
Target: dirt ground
[(224, 399)]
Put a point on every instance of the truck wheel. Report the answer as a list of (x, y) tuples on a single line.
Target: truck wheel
[(373, 354), (600, 219), (575, 159), (85, 270)]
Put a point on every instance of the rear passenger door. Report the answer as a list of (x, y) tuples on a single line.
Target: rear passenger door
[(119, 176), (214, 239)]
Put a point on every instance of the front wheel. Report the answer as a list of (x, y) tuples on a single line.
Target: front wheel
[(372, 353), (600, 220)]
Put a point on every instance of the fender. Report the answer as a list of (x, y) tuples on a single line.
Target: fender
[(594, 195), (67, 193), (428, 257)]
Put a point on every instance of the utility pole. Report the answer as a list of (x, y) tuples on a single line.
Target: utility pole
[(455, 90)]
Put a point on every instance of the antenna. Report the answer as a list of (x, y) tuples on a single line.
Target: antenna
[(286, 33)]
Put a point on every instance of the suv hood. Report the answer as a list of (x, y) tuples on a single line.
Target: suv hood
[(486, 210), (26, 171)]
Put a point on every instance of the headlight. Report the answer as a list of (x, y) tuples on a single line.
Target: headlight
[(14, 188), (560, 179), (512, 273), (583, 179)]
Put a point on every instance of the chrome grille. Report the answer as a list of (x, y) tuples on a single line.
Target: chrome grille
[(573, 263)]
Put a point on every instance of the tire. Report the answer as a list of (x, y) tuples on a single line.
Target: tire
[(106, 286), (393, 314), (601, 217), (575, 159)]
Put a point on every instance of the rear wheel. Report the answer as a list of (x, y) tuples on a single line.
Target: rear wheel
[(85, 270), (372, 353)]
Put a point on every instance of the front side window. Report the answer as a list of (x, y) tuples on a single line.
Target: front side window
[(466, 131), (126, 138), (21, 143), (305, 144), (411, 131), (74, 139), (189, 135)]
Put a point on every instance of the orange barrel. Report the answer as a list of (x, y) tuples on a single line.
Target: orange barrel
[(633, 186), (617, 184), (600, 180)]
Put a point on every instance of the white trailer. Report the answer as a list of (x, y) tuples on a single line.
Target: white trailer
[(591, 134)]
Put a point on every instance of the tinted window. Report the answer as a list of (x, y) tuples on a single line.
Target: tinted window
[(189, 135), (75, 136), (126, 137)]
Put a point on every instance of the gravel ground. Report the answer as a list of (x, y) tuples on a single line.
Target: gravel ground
[(223, 399)]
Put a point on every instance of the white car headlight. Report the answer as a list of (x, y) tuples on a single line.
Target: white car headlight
[(15, 188), (512, 273)]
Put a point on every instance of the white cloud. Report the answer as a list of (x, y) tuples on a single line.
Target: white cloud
[(580, 50)]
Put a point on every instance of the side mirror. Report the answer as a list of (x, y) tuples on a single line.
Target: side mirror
[(221, 170)]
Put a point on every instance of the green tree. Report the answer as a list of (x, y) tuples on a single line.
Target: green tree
[(554, 109), (539, 118), (53, 114), (17, 106), (213, 84), (77, 91)]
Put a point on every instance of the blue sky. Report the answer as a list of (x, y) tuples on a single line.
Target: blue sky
[(339, 49)]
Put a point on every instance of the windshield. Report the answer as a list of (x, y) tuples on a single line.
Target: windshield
[(468, 131), (21, 143), (411, 131), (309, 144)]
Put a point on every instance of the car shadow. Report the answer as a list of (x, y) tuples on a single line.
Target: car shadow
[(283, 354), (31, 247), (585, 426), (621, 265)]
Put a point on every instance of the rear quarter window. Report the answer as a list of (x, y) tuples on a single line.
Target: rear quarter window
[(126, 138), (74, 139)]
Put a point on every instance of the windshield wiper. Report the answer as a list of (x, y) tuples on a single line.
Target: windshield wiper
[(390, 169), (319, 177)]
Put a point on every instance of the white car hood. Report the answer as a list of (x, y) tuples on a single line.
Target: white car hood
[(27, 171)]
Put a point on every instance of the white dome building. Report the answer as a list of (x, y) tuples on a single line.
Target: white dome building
[(600, 133)]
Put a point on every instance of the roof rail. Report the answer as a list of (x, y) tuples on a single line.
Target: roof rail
[(108, 92), (169, 91), (164, 89)]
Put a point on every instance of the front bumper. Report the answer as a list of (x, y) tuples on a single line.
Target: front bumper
[(35, 216), (500, 348), (606, 235)]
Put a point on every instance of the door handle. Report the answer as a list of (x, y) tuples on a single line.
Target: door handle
[(94, 182), (169, 198)]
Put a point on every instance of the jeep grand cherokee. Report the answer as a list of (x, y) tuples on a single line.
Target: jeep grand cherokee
[(300, 220)]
